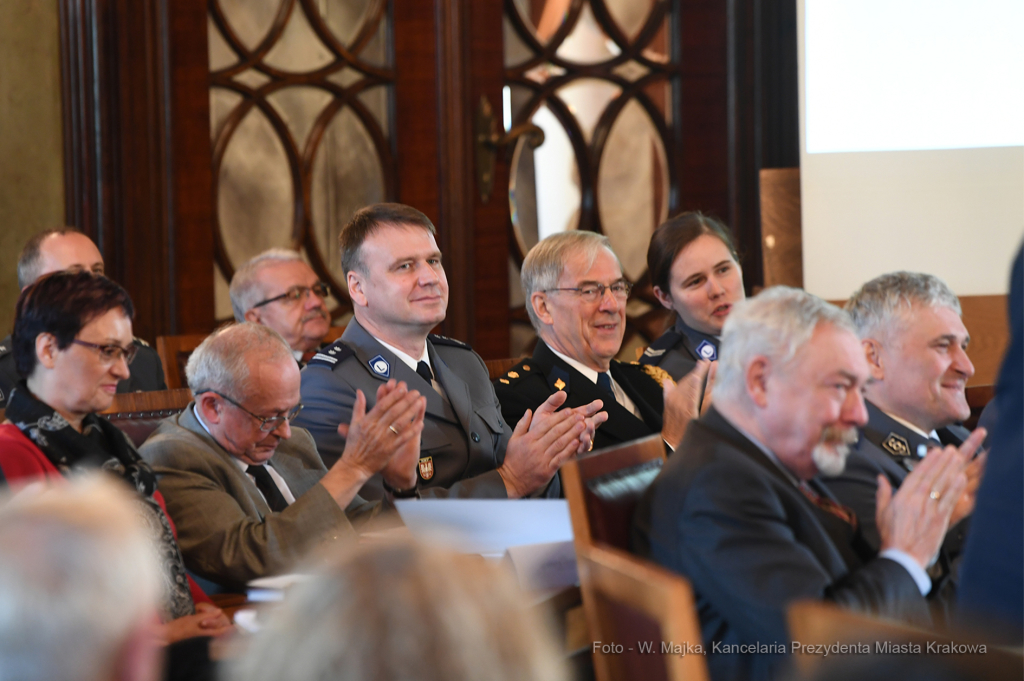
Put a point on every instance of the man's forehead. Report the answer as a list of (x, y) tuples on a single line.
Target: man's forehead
[(287, 273), (578, 265), (396, 241), (64, 251), (832, 352), (931, 322)]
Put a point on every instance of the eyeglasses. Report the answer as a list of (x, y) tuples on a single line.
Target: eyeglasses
[(268, 424), (591, 292), (112, 353), (297, 293)]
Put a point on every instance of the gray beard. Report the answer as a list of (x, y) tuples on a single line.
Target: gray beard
[(830, 459)]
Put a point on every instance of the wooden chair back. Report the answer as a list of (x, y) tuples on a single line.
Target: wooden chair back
[(603, 489), (139, 414), (815, 623), (632, 603), (496, 368), (781, 241), (174, 352)]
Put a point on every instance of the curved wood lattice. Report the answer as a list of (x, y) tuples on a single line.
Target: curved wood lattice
[(301, 160), (663, 68)]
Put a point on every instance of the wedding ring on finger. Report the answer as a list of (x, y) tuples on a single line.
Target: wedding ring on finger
[(393, 429), (935, 495)]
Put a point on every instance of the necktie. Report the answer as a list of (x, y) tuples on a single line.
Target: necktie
[(423, 369), (844, 513), (604, 382), (266, 485)]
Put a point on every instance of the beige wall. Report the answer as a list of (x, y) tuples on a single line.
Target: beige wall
[(31, 160)]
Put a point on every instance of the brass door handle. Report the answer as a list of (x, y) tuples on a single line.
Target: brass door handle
[(488, 140)]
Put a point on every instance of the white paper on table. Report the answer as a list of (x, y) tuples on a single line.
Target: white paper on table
[(486, 526), (543, 567), (266, 589)]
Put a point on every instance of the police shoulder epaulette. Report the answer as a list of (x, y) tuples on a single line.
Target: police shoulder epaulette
[(138, 340), (666, 341), (332, 355), (515, 373), (445, 340)]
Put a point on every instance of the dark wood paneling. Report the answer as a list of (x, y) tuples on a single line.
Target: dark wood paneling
[(137, 151), (492, 223)]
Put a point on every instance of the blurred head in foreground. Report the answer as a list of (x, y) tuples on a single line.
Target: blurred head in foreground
[(401, 611), (79, 586)]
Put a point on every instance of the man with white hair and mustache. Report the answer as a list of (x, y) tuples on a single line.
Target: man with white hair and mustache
[(278, 289), (739, 509)]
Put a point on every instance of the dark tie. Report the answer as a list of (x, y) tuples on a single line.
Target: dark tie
[(266, 485), (604, 382), (844, 513), (423, 369)]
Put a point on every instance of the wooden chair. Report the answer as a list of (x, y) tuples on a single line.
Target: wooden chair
[(630, 603), (603, 489), (816, 623), (496, 368), (139, 414), (174, 352)]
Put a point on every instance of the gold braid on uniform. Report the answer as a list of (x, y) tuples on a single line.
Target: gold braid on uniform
[(657, 373)]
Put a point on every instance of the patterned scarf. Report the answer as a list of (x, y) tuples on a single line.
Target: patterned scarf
[(101, 445)]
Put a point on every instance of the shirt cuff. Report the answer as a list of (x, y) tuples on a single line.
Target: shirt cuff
[(924, 582)]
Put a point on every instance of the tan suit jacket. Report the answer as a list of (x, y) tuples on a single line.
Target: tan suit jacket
[(226, 530)]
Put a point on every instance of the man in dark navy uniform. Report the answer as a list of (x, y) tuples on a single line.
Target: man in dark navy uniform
[(576, 298), (68, 249)]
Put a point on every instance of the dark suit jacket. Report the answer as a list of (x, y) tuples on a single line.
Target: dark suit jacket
[(147, 372), (725, 516), (226, 530), (529, 383), (464, 438), (992, 575)]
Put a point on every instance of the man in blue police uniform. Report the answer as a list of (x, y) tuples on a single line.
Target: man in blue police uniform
[(915, 343), (576, 298), (399, 293), (68, 249)]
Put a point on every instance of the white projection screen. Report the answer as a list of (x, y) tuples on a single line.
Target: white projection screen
[(911, 141)]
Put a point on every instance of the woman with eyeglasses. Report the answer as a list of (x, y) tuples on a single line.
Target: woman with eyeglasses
[(696, 273), (72, 344)]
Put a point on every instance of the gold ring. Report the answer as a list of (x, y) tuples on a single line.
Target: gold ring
[(591, 447), (934, 495), (393, 429)]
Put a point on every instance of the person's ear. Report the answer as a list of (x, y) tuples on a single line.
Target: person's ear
[(539, 301), (757, 374), (209, 407), (253, 315), (664, 298), (46, 349), (356, 292), (873, 353)]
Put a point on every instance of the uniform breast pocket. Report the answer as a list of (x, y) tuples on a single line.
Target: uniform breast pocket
[(495, 427)]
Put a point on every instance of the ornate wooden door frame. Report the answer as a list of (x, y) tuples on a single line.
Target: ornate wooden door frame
[(137, 152)]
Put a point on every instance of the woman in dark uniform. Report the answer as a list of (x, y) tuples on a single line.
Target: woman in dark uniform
[(695, 271)]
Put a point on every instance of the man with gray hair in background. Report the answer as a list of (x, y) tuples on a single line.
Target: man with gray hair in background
[(278, 289), (915, 343), (249, 494), (79, 586), (740, 509)]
